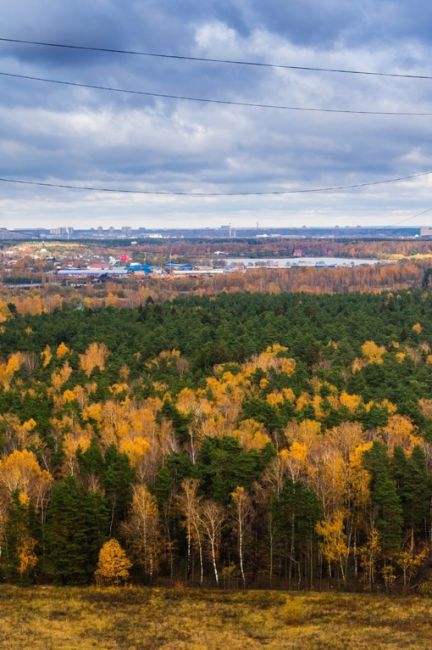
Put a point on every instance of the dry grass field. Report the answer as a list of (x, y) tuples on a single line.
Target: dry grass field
[(68, 618)]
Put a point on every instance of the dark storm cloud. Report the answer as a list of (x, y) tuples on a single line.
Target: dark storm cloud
[(80, 136)]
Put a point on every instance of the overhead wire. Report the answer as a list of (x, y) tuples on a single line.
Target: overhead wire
[(215, 101), (316, 190), (201, 59), (226, 102), (413, 216)]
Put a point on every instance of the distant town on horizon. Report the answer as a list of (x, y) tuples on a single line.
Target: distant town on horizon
[(222, 232)]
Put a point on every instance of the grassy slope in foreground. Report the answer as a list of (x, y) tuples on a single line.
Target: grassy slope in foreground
[(82, 618)]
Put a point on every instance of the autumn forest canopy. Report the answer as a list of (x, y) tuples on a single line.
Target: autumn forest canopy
[(246, 439)]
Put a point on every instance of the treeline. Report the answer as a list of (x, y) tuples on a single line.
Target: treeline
[(241, 440), (128, 293), (277, 247), (41, 257)]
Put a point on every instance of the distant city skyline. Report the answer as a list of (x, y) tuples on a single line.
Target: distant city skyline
[(222, 232)]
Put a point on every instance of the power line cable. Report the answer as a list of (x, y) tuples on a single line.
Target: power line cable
[(201, 59), (315, 190), (414, 216), (203, 100)]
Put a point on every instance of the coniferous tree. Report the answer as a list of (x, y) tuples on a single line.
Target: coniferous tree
[(295, 513), (416, 495), (117, 479), (224, 465), (386, 503), (97, 523), (90, 461), (398, 469), (76, 527)]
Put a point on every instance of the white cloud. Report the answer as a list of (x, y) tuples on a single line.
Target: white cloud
[(90, 137)]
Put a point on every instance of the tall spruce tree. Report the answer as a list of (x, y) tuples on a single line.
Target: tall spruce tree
[(386, 503), (223, 465), (296, 512), (118, 476), (414, 489), (76, 528), (90, 461), (398, 469), (416, 496)]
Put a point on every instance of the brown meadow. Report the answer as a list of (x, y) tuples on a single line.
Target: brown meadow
[(177, 619)]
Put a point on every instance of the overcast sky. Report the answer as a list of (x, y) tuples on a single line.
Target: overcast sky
[(80, 136)]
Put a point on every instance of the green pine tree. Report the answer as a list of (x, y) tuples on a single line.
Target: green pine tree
[(416, 495), (118, 476), (76, 527), (386, 503), (295, 513)]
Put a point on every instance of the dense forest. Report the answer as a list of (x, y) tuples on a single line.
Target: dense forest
[(247, 439)]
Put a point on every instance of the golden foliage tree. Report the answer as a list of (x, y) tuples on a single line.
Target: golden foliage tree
[(142, 530), (94, 357), (369, 556), (188, 503), (373, 352), (333, 545), (20, 471), (113, 564), (62, 350), (27, 558), (9, 368)]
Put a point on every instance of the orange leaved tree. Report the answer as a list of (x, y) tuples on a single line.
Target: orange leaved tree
[(113, 565)]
